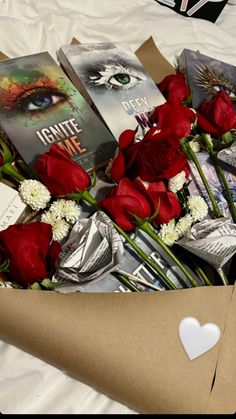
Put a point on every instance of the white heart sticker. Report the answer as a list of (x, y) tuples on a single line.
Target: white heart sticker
[(197, 339)]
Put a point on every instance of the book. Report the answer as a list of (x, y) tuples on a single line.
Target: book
[(39, 106), (12, 208), (201, 9), (115, 80), (206, 76), (196, 186)]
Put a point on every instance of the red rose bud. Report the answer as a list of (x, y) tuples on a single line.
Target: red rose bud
[(164, 201), (124, 201), (176, 119), (60, 174), (154, 159), (174, 88), (31, 252), (126, 138), (217, 116), (118, 167)]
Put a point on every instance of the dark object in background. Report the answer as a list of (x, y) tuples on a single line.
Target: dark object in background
[(201, 9)]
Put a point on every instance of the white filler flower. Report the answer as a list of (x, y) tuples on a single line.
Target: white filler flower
[(197, 207), (34, 194), (60, 228), (176, 183), (183, 225), (195, 146), (67, 209), (168, 233)]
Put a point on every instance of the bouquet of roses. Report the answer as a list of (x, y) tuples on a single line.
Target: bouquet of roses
[(151, 192), (79, 235)]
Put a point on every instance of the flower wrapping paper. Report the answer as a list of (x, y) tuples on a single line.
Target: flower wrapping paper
[(127, 345)]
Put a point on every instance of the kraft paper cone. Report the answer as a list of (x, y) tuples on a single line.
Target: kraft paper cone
[(127, 345), (153, 61), (3, 56), (224, 390)]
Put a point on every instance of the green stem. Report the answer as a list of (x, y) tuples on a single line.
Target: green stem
[(192, 156), (126, 282), (139, 280), (86, 196), (222, 276), (143, 255), (8, 169), (147, 229), (223, 181), (200, 271)]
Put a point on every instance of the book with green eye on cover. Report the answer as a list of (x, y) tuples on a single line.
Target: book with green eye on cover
[(116, 82), (39, 106)]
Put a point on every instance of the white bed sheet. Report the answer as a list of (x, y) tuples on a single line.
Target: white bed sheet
[(28, 385)]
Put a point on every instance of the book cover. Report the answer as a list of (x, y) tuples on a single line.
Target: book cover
[(196, 186), (201, 9), (12, 208), (207, 75), (40, 106), (114, 78)]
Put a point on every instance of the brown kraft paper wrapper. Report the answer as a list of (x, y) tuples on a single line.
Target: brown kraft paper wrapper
[(127, 345), (153, 61)]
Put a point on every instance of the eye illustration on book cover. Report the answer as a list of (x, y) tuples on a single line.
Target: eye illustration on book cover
[(212, 81), (206, 76), (122, 91), (40, 106), (203, 9)]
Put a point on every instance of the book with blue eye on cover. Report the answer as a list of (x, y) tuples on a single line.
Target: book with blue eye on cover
[(112, 76), (40, 106)]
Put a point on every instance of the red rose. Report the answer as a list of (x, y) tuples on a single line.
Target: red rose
[(31, 251), (118, 167), (126, 138), (175, 119), (174, 88), (154, 159), (124, 201), (217, 116), (60, 173), (165, 201)]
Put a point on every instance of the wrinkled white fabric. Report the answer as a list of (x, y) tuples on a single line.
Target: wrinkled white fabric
[(28, 385)]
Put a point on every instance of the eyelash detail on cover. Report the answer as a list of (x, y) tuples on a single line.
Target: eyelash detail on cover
[(115, 76), (38, 99), (211, 81), (30, 97)]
